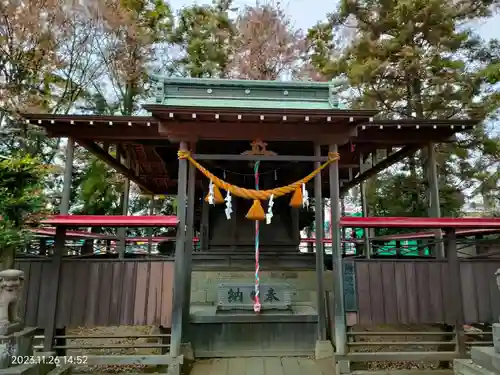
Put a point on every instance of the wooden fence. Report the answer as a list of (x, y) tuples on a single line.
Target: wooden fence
[(100, 292), (418, 291), (139, 292)]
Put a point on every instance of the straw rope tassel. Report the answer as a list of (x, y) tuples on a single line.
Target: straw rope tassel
[(262, 195), (256, 302)]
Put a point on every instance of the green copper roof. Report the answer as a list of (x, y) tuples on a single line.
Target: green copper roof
[(223, 93)]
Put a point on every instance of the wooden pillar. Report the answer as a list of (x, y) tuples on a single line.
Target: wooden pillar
[(433, 194), (178, 294), (68, 176), (150, 230), (343, 230), (310, 245), (204, 226), (43, 246), (234, 224), (60, 331), (371, 231), (320, 264), (124, 203), (51, 303), (60, 238), (295, 213), (364, 210), (455, 295), (188, 249), (165, 340), (337, 266)]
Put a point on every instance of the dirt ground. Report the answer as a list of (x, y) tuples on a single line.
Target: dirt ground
[(144, 330), (110, 331), (407, 365)]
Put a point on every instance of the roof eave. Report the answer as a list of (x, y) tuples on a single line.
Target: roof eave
[(162, 108)]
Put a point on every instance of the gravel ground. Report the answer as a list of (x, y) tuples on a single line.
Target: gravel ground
[(118, 331), (406, 365), (142, 330)]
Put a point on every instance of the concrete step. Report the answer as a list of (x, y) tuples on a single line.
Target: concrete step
[(496, 336), (486, 357), (28, 369), (402, 372), (61, 370), (468, 367)]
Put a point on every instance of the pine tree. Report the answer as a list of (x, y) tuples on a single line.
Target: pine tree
[(204, 34), (416, 59)]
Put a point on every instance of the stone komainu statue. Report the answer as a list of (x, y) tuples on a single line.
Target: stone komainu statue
[(11, 284)]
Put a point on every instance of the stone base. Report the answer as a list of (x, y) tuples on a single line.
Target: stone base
[(216, 334), (188, 361), (61, 370), (33, 369), (343, 367), (486, 357), (467, 367), (496, 336), (174, 369), (16, 344), (10, 328), (204, 284), (187, 351), (323, 349)]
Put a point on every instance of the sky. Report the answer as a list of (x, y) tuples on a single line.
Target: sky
[(306, 13)]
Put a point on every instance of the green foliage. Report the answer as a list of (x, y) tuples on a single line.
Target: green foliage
[(21, 201), (411, 199), (99, 190), (417, 59), (205, 34), (410, 58), (152, 17)]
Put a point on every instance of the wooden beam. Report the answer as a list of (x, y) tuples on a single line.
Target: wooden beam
[(405, 136), (122, 360), (93, 148), (320, 234), (105, 133), (52, 301), (178, 293), (188, 247), (68, 176), (397, 356), (425, 122), (47, 118), (363, 114), (340, 338), (379, 167), (270, 131), (455, 299), (204, 227), (238, 157)]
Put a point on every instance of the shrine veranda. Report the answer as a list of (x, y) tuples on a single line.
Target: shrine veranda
[(249, 291)]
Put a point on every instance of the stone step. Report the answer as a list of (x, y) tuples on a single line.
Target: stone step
[(486, 357), (61, 370), (402, 372), (496, 336), (28, 369), (468, 367)]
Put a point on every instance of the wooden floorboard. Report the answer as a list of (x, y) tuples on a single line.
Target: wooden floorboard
[(255, 366), (272, 365), (291, 366), (236, 366), (262, 366), (202, 367), (219, 367)]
